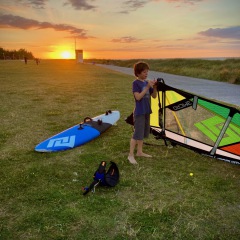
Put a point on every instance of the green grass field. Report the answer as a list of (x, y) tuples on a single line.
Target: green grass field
[(40, 193), (217, 70)]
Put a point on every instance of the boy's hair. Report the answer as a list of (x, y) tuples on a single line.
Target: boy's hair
[(139, 67)]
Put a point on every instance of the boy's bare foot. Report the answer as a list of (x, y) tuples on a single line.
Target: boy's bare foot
[(143, 155), (132, 159)]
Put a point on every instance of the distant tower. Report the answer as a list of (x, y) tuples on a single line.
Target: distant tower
[(79, 56)]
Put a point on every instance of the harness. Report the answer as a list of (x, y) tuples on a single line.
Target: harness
[(109, 178)]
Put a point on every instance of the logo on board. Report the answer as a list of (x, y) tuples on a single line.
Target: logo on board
[(68, 141)]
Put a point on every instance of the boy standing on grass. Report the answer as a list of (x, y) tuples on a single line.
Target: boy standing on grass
[(142, 91)]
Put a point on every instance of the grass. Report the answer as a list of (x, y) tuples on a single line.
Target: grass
[(40, 193), (224, 71)]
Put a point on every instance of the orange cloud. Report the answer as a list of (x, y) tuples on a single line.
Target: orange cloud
[(11, 21)]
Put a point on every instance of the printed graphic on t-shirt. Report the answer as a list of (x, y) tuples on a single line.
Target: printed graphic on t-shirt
[(147, 95), (143, 105)]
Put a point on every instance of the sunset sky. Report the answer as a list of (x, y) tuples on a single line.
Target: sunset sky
[(122, 29)]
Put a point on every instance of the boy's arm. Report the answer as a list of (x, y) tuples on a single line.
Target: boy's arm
[(154, 94), (139, 95)]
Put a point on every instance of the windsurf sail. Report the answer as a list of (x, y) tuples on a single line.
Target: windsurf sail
[(200, 124)]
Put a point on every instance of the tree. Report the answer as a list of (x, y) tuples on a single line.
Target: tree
[(15, 54)]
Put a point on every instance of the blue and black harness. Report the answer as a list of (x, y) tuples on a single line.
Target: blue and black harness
[(109, 178)]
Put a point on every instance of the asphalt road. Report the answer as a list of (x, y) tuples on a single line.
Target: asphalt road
[(224, 92)]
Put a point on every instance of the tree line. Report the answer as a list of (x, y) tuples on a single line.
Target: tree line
[(15, 54)]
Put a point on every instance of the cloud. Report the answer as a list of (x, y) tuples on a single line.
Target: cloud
[(133, 5), (37, 3), (40, 4), (80, 4), (126, 40), (230, 32), (11, 21), (182, 1)]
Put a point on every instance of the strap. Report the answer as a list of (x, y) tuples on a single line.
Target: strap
[(87, 119), (92, 186), (108, 112), (99, 121)]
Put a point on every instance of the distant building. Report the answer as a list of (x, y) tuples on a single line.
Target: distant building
[(79, 56)]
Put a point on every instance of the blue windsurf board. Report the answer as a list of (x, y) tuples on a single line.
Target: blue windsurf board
[(79, 134)]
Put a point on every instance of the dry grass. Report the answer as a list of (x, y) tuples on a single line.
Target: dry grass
[(217, 70)]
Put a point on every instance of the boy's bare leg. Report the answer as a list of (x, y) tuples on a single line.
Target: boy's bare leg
[(131, 153), (140, 153)]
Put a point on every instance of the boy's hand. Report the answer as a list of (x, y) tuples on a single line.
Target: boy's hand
[(155, 83), (152, 83)]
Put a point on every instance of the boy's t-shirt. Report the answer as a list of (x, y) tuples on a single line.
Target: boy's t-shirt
[(142, 106)]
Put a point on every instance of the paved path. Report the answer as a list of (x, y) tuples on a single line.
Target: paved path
[(225, 92)]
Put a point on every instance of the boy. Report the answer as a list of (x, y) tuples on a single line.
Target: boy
[(142, 90)]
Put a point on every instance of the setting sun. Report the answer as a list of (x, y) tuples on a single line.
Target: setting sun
[(66, 55), (61, 52)]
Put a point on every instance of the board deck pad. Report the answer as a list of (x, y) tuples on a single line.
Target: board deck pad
[(79, 134)]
